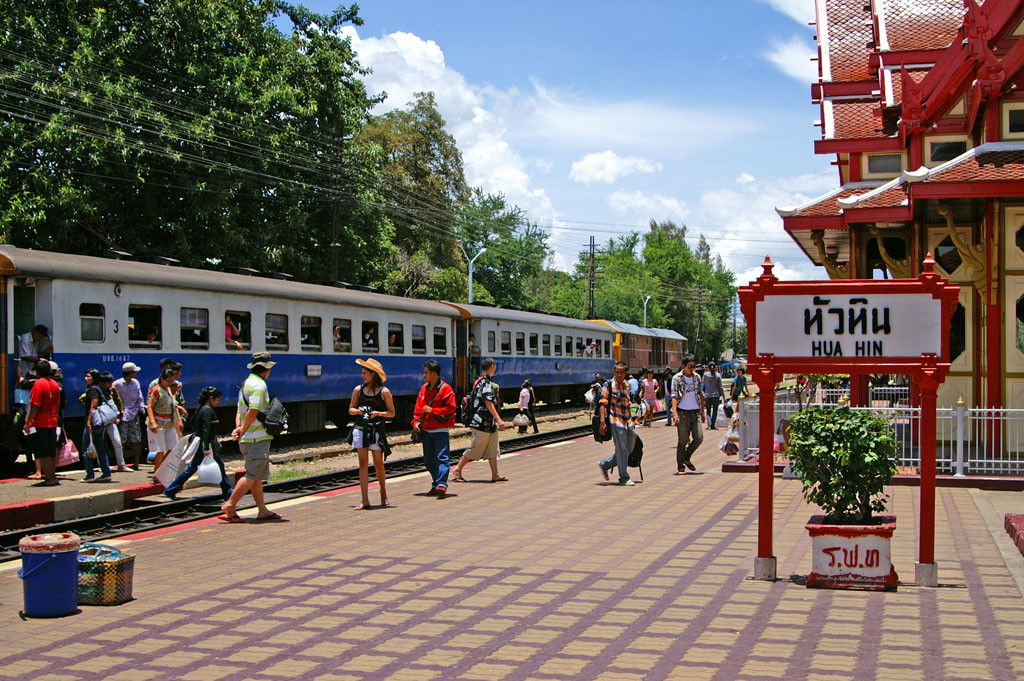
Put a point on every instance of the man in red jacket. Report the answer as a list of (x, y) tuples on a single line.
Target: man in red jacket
[(433, 417)]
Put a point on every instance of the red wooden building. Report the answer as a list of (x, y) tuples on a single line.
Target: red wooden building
[(922, 107)]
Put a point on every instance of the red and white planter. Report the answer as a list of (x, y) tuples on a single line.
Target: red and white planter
[(852, 556)]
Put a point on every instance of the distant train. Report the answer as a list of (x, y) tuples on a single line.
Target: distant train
[(104, 312)]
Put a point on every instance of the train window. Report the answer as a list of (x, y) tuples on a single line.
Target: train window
[(93, 325), (520, 343), (276, 331), (608, 348), (558, 346), (533, 344), (309, 334), (237, 330), (370, 343), (396, 338), (568, 346), (195, 328), (440, 340), (419, 339), (545, 344), (506, 342), (579, 346), (342, 332), (490, 342), (144, 322)]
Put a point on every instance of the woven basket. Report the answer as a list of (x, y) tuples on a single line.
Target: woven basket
[(105, 575)]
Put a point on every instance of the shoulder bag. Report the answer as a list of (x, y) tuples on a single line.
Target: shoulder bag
[(417, 435)]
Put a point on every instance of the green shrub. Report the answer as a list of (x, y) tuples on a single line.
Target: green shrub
[(845, 459)]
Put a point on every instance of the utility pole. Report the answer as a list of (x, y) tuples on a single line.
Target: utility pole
[(734, 303), (700, 318), (336, 207), (590, 281), (646, 300)]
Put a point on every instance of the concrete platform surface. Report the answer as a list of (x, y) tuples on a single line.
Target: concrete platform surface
[(554, 575)]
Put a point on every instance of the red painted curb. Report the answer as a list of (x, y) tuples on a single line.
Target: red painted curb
[(19, 516), (139, 491), (1014, 524)]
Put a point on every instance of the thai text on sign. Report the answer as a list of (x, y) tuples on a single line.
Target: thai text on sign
[(872, 325)]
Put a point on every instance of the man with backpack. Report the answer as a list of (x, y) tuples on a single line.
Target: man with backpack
[(253, 439), (433, 416), (484, 422), (615, 413)]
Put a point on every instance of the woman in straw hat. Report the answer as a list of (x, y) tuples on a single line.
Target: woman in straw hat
[(372, 404)]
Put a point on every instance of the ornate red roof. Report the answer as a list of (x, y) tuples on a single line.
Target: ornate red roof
[(826, 205), (983, 167), (857, 120), (893, 197), (897, 82), (922, 24), (849, 29)]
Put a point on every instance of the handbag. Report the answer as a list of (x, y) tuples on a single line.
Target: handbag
[(417, 435), (105, 413), (209, 471), (105, 575), (521, 420), (67, 454)]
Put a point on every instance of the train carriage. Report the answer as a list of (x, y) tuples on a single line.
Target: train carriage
[(642, 347)]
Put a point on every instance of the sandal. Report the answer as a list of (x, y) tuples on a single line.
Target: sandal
[(500, 478), (459, 478), (362, 507), (231, 518), (384, 503), (272, 516)]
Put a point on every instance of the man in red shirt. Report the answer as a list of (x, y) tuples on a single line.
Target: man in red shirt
[(44, 401), (433, 416)]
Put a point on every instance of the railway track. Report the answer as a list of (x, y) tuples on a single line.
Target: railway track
[(159, 515)]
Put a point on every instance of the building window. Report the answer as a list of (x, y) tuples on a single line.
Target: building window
[(370, 342), (441, 340), (144, 323), (309, 334), (545, 344), (419, 339), (1020, 324), (396, 338), (276, 331), (342, 332), (948, 256), (533, 344), (884, 163), (958, 333), (506, 342), (195, 328), (558, 345), (940, 152), (93, 324), (237, 330), (491, 342)]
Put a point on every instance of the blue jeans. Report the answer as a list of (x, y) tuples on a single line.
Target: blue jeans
[(101, 453), (193, 466), (711, 404), (435, 457), (624, 439)]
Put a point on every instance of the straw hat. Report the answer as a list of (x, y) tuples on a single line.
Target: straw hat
[(374, 366), (260, 359)]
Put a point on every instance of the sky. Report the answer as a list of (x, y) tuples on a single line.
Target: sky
[(596, 117)]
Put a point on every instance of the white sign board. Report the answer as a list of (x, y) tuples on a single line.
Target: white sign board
[(870, 325)]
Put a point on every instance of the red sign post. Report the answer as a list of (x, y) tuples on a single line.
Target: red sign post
[(860, 326)]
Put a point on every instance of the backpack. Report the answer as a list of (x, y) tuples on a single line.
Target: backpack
[(275, 420), (470, 404), (636, 456), (595, 419)]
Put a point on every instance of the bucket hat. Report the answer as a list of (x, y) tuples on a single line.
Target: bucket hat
[(374, 366), (260, 359)]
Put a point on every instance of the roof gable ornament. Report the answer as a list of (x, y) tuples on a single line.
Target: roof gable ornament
[(977, 30), (912, 108), (901, 268), (835, 269), (973, 256)]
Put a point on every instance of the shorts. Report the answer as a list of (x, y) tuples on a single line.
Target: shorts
[(163, 440), (257, 459), (651, 403), (130, 431), (484, 445), (357, 441), (44, 443)]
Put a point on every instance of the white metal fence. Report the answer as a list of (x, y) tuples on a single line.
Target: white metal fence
[(973, 441)]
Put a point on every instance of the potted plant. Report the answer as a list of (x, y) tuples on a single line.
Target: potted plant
[(845, 459)]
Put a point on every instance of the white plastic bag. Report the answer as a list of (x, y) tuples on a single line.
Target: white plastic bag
[(176, 458), (589, 396), (209, 471)]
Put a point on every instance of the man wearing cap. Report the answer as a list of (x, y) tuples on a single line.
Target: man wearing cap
[(130, 391), (253, 439)]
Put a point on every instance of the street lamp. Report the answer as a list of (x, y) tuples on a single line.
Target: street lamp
[(646, 300), (471, 261)]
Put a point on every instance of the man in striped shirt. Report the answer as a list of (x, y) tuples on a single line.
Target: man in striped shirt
[(615, 404)]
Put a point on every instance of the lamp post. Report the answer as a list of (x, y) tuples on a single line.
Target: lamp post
[(471, 261), (646, 300)]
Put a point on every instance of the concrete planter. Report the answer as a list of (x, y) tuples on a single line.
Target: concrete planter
[(852, 556)]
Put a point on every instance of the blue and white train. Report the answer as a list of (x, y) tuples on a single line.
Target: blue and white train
[(103, 312)]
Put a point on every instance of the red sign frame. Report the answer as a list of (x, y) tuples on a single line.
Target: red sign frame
[(927, 371)]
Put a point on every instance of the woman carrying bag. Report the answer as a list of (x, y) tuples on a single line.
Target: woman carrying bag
[(205, 423), (526, 402), (95, 422), (372, 404)]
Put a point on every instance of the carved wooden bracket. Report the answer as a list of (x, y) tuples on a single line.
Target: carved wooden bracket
[(901, 269), (835, 269), (973, 256)]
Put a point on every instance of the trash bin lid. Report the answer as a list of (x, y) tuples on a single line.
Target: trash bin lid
[(49, 543)]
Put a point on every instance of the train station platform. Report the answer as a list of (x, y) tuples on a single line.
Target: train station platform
[(553, 575)]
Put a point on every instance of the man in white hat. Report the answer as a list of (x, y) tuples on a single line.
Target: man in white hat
[(253, 440), (134, 405)]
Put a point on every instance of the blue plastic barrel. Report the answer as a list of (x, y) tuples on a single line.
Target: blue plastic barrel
[(49, 574)]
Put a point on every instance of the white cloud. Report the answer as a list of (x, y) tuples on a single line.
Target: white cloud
[(607, 166), (640, 206), (793, 57), (801, 11), (745, 178), (544, 165)]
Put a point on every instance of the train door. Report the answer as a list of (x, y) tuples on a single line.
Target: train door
[(461, 355)]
